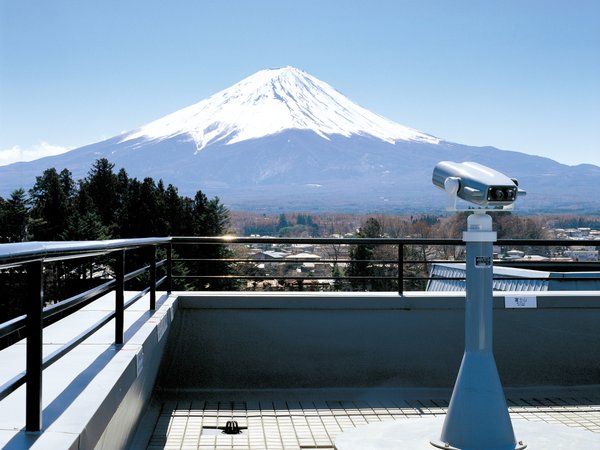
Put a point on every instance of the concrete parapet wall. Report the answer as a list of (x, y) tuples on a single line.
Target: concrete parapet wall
[(94, 396), (358, 340)]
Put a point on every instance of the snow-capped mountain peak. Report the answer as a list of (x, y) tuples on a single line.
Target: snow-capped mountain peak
[(271, 101)]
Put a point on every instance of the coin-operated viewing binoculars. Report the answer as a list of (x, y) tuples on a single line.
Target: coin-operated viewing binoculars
[(477, 184)]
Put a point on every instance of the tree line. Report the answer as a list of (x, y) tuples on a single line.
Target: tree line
[(106, 205)]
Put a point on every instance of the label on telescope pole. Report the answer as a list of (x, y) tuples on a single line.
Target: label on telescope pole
[(483, 262), (525, 301)]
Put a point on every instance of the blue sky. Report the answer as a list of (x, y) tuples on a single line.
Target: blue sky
[(521, 75)]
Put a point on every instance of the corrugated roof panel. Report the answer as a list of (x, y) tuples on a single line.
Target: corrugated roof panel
[(500, 283)]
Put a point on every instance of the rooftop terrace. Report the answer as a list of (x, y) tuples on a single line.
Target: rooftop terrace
[(152, 369)]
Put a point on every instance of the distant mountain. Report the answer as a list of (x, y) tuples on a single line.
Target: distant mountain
[(283, 140)]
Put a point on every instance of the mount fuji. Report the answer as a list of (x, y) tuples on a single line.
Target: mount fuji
[(283, 140)]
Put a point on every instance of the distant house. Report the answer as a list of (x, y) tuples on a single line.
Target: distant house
[(515, 254), (306, 261), (270, 255), (303, 256)]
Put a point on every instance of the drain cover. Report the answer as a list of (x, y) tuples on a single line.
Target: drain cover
[(231, 427)]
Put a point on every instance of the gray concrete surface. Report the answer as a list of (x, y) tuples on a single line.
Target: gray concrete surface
[(264, 341)]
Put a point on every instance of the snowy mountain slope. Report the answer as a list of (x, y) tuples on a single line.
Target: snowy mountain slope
[(284, 140), (271, 101)]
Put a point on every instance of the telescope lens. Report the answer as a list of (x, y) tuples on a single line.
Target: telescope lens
[(501, 194)]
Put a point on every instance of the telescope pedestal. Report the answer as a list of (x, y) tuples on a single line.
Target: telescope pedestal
[(478, 417)]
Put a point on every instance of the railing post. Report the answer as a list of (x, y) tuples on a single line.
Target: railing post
[(119, 296), (34, 327), (169, 268), (400, 269), (152, 277)]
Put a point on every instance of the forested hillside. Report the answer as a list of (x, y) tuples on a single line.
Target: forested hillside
[(105, 205)]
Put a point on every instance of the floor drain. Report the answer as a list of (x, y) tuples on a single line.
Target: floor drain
[(231, 427)]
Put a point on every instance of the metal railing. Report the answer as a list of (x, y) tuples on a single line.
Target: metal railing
[(404, 265), (33, 257), (227, 263)]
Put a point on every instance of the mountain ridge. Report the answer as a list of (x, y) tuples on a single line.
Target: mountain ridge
[(265, 149)]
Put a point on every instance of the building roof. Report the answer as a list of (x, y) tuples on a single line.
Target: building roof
[(512, 279)]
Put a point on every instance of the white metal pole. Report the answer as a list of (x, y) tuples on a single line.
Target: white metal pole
[(478, 416)]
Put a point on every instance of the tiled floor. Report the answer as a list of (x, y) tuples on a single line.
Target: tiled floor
[(272, 425)]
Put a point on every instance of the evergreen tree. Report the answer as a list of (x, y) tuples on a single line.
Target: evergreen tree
[(283, 222), (3, 233), (131, 221), (103, 188), (122, 194), (173, 211), (14, 217), (85, 227), (362, 255), (67, 183), (52, 207), (208, 218), (149, 207)]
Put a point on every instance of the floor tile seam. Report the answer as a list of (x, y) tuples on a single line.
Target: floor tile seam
[(304, 424), (322, 426)]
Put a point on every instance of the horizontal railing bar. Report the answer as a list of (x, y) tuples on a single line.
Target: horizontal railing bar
[(282, 277), (12, 385), (503, 263), (549, 242), (12, 326), (321, 260), (282, 260), (319, 240), (340, 260), (76, 256), (13, 263), (366, 277), (91, 294), (379, 241), (66, 348), (34, 251), (136, 273), (558, 266), (136, 297), (160, 263), (161, 281), (548, 262)]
